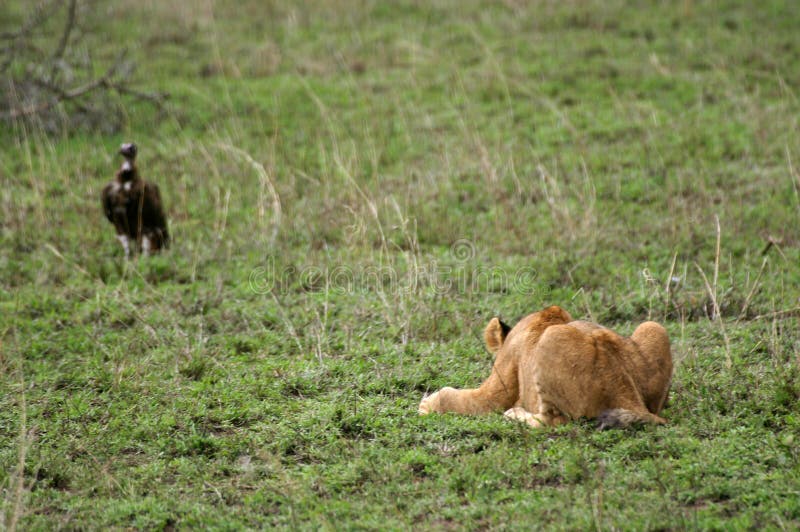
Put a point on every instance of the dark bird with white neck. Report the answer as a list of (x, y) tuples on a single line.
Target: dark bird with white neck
[(133, 205)]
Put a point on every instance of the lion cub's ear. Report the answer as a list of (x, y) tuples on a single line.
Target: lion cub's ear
[(495, 334)]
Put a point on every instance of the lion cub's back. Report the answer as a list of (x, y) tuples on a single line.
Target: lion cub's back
[(585, 326)]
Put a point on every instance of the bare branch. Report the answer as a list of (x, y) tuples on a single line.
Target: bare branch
[(158, 98), (64, 95), (39, 15), (62, 45)]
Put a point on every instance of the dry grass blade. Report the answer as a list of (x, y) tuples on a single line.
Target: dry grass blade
[(668, 284), (716, 260), (265, 182), (52, 249), (287, 322), (717, 317), (752, 291), (17, 477), (793, 176)]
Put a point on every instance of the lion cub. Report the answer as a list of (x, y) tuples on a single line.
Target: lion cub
[(549, 369)]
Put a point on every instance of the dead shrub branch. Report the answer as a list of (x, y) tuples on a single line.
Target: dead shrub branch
[(51, 79)]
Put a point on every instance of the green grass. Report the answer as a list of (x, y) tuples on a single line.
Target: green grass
[(417, 168)]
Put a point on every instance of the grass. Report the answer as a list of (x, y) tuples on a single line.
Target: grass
[(355, 189)]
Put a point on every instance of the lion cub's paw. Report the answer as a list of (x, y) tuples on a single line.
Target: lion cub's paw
[(520, 414), (429, 404)]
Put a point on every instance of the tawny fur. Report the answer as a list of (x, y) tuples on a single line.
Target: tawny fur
[(549, 369)]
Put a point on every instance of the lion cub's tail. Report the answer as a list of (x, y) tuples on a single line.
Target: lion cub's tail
[(622, 418)]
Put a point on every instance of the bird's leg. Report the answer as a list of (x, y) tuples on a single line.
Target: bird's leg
[(123, 239), (146, 246)]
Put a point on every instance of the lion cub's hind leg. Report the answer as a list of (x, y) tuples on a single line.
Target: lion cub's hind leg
[(617, 418), (540, 419), (549, 414), (520, 414)]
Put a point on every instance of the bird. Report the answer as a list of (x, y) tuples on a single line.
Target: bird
[(134, 206)]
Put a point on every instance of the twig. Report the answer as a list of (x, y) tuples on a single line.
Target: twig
[(46, 85), (772, 241), (779, 314), (157, 98), (62, 44)]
